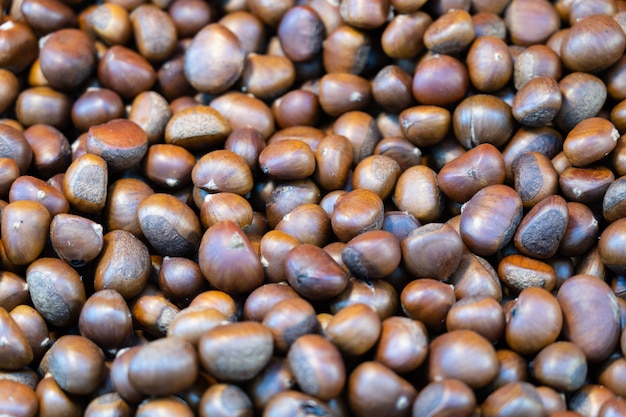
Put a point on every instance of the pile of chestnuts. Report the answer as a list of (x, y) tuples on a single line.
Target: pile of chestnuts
[(399, 208)]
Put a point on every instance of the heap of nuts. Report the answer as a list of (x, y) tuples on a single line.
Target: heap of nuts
[(313, 208)]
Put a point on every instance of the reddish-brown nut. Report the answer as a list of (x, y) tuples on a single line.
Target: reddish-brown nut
[(365, 15), (560, 365), (403, 344), (518, 397), (346, 49), (481, 235), (96, 106), (479, 167), (222, 170), (13, 145), (214, 60), (25, 226), (247, 26), (417, 192), (18, 353), (482, 315), (43, 105), (428, 301), (374, 389), (120, 210), (354, 329), (317, 366), (85, 183), (342, 92), (20, 45), (168, 165), (105, 319), (581, 231), (537, 102), (225, 351), (154, 32), (518, 272), (544, 140), (308, 223), (440, 80), (464, 355), (51, 150), (150, 111), (489, 63), (56, 289), (267, 76), (446, 396), (119, 60), (282, 198), (31, 188), (531, 22), (356, 212), (600, 30), (76, 364), (589, 141), (432, 251), (585, 185), (67, 58), (583, 96), (191, 323), (147, 370), (287, 159), (402, 37), (525, 332), (76, 239), (541, 231), (424, 125), (535, 178), (120, 142), (289, 319), (361, 130), (590, 399), (13, 290), (610, 248), (111, 403), (197, 128), (301, 32), (450, 33), (334, 158), (482, 118), (170, 226), (123, 265), (17, 399), (243, 110), (377, 173), (164, 406), (109, 22), (577, 322), (297, 107), (228, 260), (290, 402), (152, 312), (536, 61), (313, 273), (373, 254), (225, 399)]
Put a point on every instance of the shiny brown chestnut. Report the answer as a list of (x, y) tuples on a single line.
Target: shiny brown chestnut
[(428, 301), (462, 355), (105, 319), (374, 389), (478, 232), (226, 255), (222, 349), (576, 324)]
